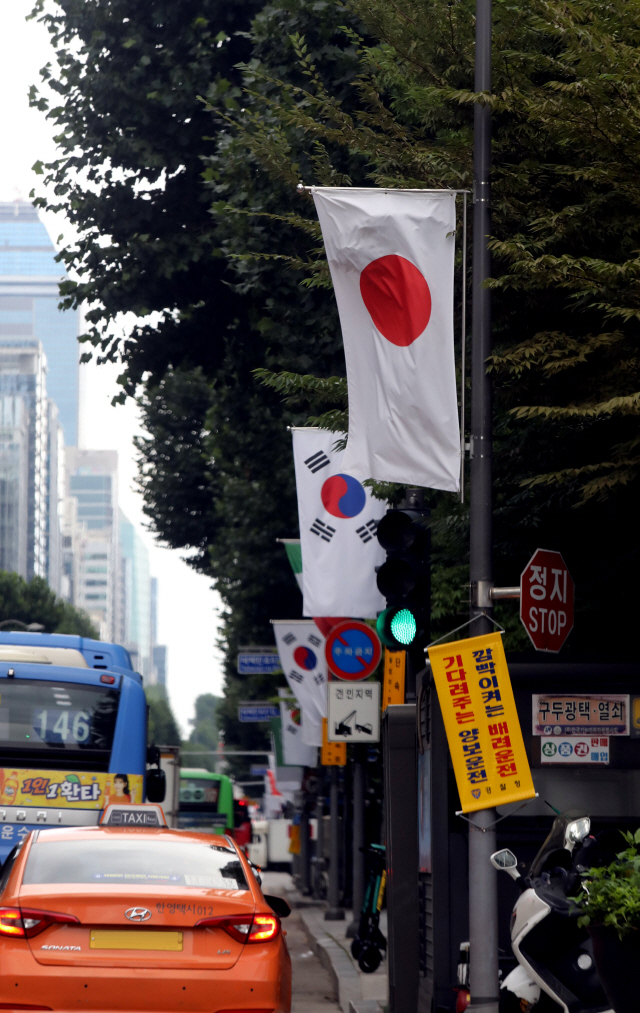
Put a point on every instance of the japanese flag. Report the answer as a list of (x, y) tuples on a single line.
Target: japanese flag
[(338, 521), (391, 256)]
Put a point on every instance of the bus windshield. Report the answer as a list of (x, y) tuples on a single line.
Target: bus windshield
[(41, 716)]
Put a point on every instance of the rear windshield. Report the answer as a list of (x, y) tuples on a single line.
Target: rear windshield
[(135, 861), (39, 714), (199, 789)]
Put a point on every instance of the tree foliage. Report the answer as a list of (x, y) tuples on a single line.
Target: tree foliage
[(162, 727), (131, 131), (369, 93), (564, 242), (34, 602)]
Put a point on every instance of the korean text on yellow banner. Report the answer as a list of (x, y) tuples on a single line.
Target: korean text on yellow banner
[(66, 789), (395, 663), (481, 722)]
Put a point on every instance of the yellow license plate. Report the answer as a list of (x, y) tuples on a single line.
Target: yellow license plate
[(134, 939)]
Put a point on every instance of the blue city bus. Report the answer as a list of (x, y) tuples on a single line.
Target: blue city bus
[(73, 732)]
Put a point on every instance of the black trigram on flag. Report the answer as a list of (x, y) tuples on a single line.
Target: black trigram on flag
[(317, 461), (367, 531), (289, 638), (325, 531)]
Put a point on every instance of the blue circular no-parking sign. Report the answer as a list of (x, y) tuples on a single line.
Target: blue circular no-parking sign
[(353, 650)]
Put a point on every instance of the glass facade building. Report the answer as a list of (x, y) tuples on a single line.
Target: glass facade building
[(25, 461), (29, 278)]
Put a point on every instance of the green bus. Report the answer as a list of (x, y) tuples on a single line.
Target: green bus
[(206, 802)]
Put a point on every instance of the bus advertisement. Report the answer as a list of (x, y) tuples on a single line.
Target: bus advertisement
[(73, 733)]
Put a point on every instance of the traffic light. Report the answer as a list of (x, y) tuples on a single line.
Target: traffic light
[(404, 579)]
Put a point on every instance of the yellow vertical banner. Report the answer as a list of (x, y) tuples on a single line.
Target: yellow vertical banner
[(481, 722), (395, 663), (333, 754)]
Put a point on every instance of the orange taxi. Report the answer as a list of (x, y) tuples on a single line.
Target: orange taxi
[(138, 918)]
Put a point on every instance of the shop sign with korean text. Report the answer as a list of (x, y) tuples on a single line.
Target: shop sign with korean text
[(575, 749), (580, 714), (481, 722)]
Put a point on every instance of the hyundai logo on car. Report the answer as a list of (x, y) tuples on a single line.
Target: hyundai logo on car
[(138, 914)]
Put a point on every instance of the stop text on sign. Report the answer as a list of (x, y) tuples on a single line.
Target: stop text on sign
[(546, 600)]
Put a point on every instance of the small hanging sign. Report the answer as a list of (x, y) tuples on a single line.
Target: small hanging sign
[(481, 722)]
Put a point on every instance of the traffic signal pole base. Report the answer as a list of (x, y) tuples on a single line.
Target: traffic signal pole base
[(334, 915), (335, 912), (483, 913)]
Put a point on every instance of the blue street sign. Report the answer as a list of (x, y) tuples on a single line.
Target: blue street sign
[(256, 771), (257, 712), (258, 664)]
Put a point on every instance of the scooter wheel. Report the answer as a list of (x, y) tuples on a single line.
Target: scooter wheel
[(369, 960), (356, 948)]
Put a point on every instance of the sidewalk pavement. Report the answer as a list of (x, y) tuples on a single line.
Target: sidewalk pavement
[(357, 992)]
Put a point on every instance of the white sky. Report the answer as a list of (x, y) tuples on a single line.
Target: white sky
[(187, 620)]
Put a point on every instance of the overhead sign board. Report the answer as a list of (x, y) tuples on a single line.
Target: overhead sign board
[(257, 712), (258, 663), (580, 714), (546, 600), (481, 722), (353, 712), (576, 750), (353, 650)]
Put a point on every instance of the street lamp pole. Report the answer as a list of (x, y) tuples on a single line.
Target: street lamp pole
[(483, 903)]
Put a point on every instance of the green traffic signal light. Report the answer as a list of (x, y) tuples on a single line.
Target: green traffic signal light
[(397, 627), (404, 627)]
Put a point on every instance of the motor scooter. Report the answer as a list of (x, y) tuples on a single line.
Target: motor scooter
[(554, 954)]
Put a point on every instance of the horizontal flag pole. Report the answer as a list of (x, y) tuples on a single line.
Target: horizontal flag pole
[(288, 541), (291, 622), (367, 189)]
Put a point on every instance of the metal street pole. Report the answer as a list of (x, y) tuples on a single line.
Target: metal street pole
[(305, 855), (335, 913), (358, 885), (319, 858), (483, 900)]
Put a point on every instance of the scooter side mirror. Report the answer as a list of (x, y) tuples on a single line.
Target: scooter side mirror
[(505, 861)]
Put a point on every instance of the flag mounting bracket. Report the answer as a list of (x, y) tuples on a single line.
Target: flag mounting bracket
[(483, 830)]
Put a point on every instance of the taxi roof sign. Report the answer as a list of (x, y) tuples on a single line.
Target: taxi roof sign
[(146, 814)]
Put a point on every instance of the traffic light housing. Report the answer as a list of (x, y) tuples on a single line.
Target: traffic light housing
[(404, 579)]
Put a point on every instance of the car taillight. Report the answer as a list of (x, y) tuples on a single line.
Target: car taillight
[(264, 927), (26, 922), (244, 928)]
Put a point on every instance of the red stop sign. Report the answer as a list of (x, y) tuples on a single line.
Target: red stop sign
[(546, 600)]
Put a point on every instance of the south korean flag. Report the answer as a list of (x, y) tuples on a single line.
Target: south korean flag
[(338, 522), (301, 651)]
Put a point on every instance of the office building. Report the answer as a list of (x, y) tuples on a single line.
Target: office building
[(92, 481), (29, 298), (160, 664), (137, 597)]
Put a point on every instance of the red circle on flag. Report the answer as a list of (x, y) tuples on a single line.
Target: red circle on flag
[(398, 298)]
